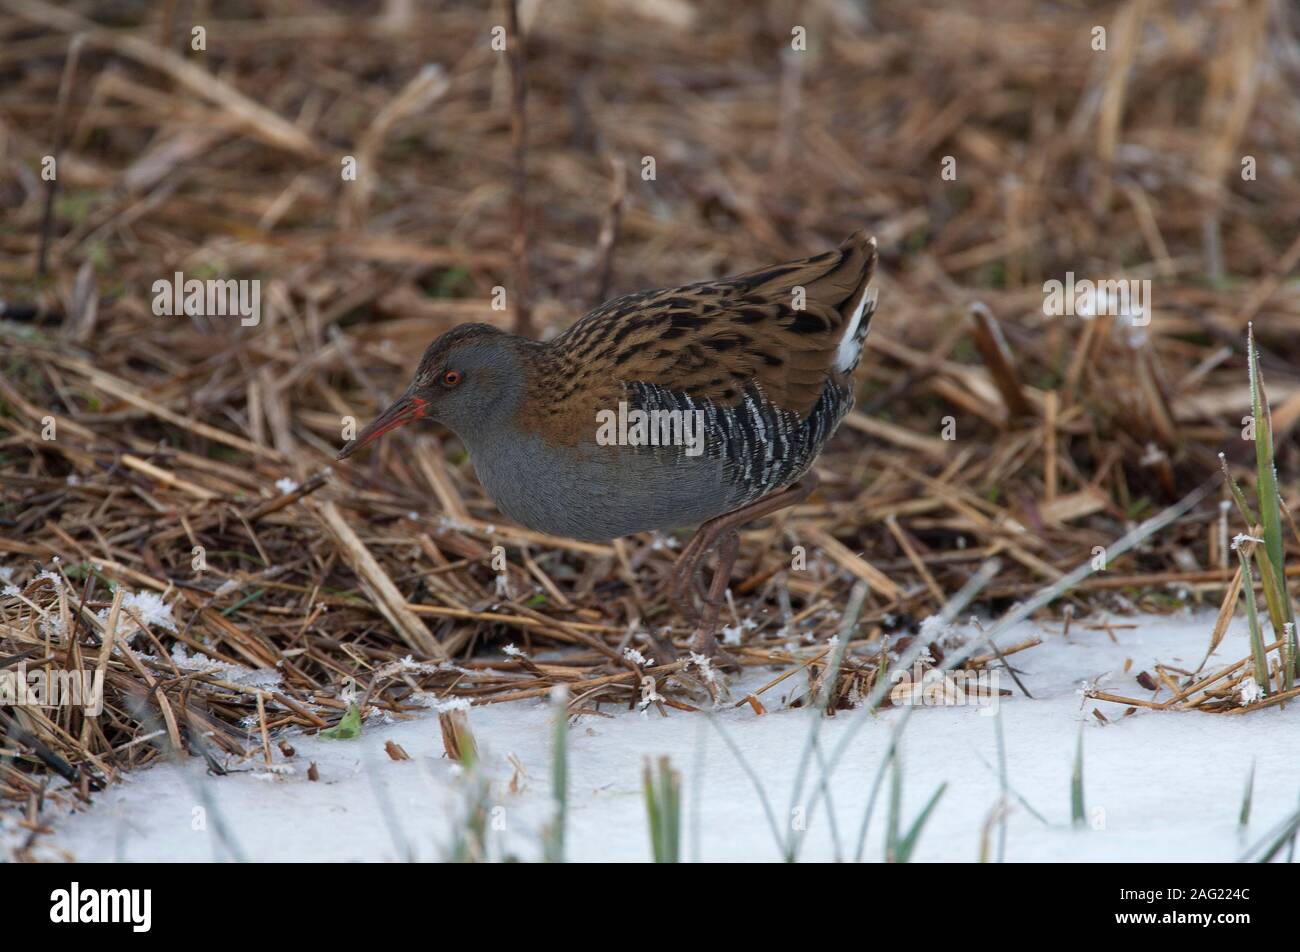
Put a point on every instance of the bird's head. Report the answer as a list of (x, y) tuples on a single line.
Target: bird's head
[(469, 378)]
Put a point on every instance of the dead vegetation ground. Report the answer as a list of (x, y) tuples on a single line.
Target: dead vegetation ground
[(177, 436)]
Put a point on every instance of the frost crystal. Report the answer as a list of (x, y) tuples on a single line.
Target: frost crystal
[(934, 628), (705, 666), (1250, 691), (408, 665), (265, 678), (1151, 455), (446, 705), (146, 606), (226, 587), (732, 634)]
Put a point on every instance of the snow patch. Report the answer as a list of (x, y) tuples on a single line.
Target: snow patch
[(1181, 808), (146, 606)]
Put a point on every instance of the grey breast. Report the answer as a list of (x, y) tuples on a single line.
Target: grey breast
[(596, 492), (679, 470)]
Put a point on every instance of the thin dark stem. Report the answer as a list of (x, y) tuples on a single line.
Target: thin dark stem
[(515, 54), (60, 139)]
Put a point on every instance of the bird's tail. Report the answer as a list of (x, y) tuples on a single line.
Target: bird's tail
[(860, 254)]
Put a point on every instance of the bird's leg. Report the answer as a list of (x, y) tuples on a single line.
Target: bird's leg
[(705, 640), (685, 573), (688, 563)]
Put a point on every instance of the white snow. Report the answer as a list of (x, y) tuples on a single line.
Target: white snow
[(1250, 691), (446, 705), (1158, 785), (148, 607), (264, 678)]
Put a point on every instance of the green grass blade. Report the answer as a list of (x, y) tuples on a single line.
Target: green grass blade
[(1238, 496), (1076, 784), (1273, 841), (1004, 784), (1243, 819), (909, 841), (895, 808), (857, 597), (553, 844), (1279, 606), (1252, 618), (752, 774), (663, 806), (652, 813), (1270, 509), (348, 727), (672, 813)]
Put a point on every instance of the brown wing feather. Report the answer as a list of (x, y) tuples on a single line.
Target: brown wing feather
[(713, 339)]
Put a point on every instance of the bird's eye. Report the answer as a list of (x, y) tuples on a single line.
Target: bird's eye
[(451, 378)]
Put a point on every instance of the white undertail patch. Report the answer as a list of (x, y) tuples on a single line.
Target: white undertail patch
[(850, 349)]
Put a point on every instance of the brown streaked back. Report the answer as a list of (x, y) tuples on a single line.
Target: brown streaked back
[(712, 339)]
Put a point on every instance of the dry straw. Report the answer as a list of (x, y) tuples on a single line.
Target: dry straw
[(173, 436)]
